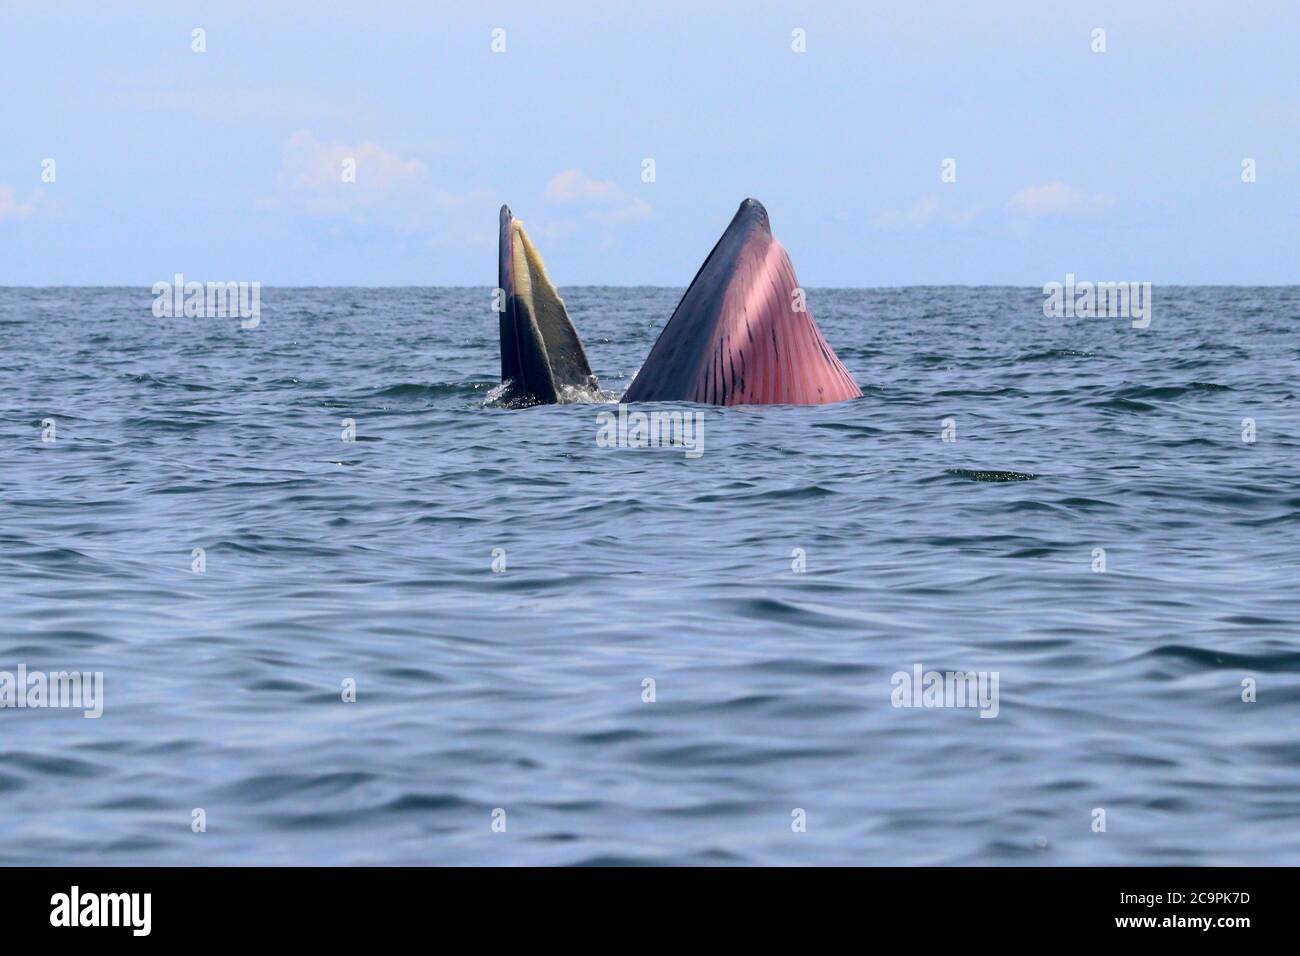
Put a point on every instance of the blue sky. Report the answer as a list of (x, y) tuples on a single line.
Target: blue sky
[(226, 165)]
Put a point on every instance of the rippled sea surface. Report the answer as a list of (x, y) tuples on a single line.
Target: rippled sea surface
[(523, 691)]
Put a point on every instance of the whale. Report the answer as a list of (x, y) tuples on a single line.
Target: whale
[(542, 358), (742, 333)]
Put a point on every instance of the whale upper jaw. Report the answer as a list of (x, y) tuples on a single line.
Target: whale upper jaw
[(542, 358), (742, 334)]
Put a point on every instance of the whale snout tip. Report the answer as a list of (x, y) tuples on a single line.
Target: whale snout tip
[(751, 210)]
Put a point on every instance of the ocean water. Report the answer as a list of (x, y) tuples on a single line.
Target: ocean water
[(517, 696)]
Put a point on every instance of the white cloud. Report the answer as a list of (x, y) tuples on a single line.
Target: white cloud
[(314, 165), (624, 212), (927, 210), (1057, 199), (12, 208), (388, 190), (609, 204), (573, 186), (392, 194), (553, 230), (921, 213)]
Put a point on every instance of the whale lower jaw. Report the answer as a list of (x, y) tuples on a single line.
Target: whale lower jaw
[(742, 334)]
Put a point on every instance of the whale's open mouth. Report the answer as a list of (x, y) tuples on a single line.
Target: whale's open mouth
[(741, 335)]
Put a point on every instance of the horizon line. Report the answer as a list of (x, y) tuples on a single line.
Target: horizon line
[(592, 285)]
